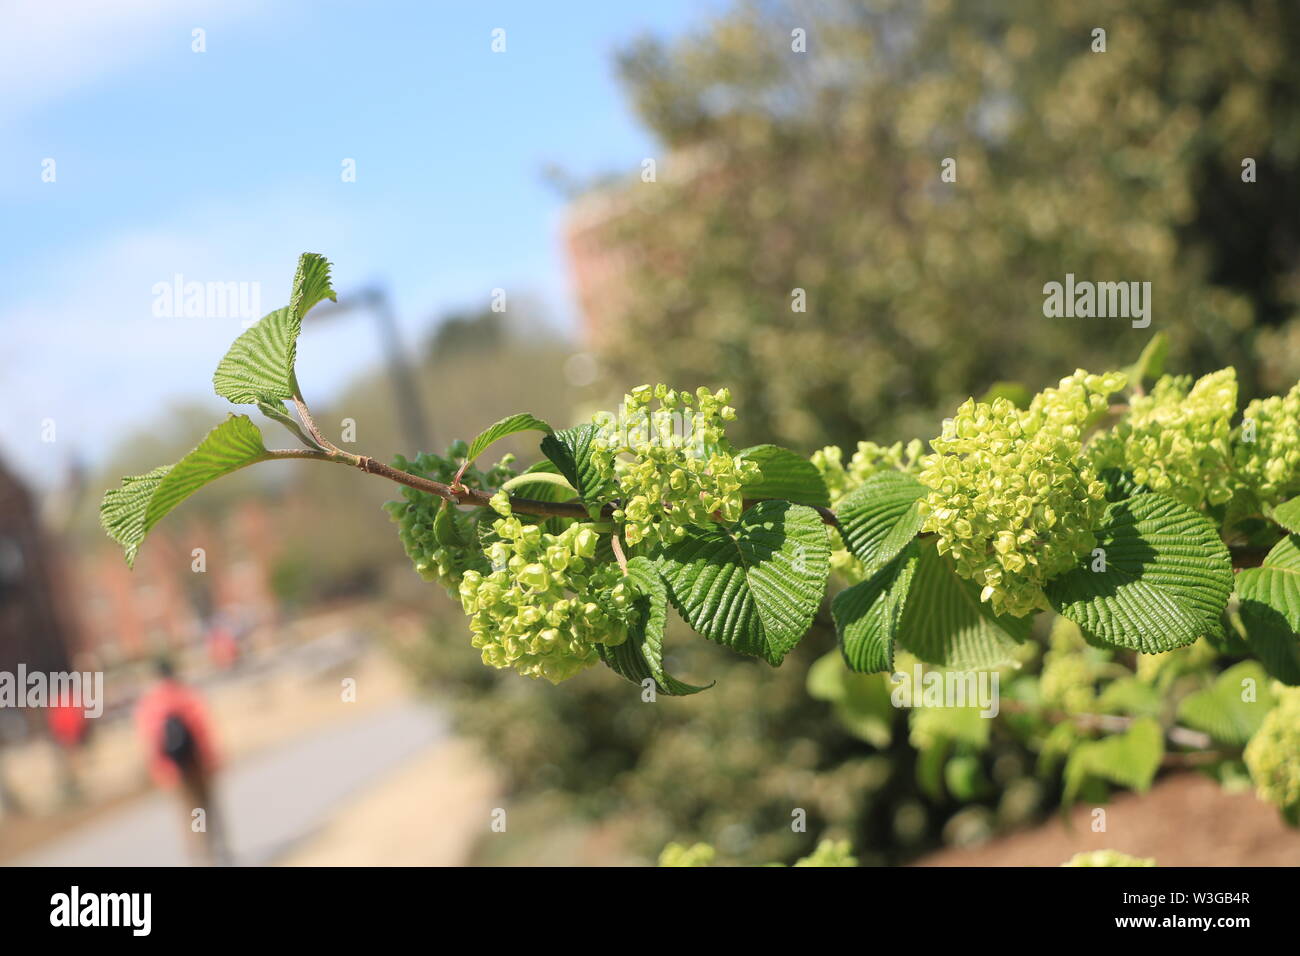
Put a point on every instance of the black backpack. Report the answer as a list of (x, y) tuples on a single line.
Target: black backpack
[(178, 743)]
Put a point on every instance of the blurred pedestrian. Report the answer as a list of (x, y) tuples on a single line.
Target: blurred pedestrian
[(69, 727), (177, 734)]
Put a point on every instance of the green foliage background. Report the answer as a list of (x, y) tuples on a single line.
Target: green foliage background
[(821, 171)]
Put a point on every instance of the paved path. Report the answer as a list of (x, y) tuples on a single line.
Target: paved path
[(271, 801)]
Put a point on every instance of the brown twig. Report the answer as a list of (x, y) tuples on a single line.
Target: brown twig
[(1111, 723)]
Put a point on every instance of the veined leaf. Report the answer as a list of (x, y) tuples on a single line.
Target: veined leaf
[(642, 654), (1270, 609), (1223, 711), (1129, 759), (540, 481), (507, 426), (311, 283), (123, 510), (785, 474), (880, 517), (129, 512), (753, 587), (571, 452), (451, 529), (232, 445), (1167, 579), (867, 615), (945, 622), (1287, 515), (1276, 582), (259, 367), (528, 478)]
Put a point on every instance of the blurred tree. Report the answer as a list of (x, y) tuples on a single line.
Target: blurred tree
[(817, 175)]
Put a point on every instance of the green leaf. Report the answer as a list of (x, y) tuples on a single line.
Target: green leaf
[(129, 512), (451, 529), (1129, 759), (963, 725), (880, 517), (571, 452), (753, 587), (311, 284), (1129, 695), (641, 656), (1017, 393), (507, 426), (1270, 609), (234, 444), (1120, 484), (259, 366), (1151, 363), (946, 623), (1287, 515), (786, 474), (541, 481), (1223, 710), (1167, 578), (123, 510), (529, 478), (1276, 582), (276, 411), (867, 615), (861, 701)]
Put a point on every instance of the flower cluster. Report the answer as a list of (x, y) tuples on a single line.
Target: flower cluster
[(866, 461), (830, 853), (1108, 858), (1011, 498), (1273, 754), (417, 513), (1268, 446), (681, 470), (1176, 439), (678, 854), (547, 602)]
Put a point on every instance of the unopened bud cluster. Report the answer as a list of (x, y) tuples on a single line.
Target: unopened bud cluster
[(681, 469), (1012, 499), (416, 513), (547, 602)]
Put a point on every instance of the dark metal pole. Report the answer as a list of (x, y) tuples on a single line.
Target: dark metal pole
[(410, 409)]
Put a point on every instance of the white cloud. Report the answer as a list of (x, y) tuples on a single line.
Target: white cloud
[(52, 48), (85, 350)]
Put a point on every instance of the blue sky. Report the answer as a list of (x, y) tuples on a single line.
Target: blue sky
[(225, 165)]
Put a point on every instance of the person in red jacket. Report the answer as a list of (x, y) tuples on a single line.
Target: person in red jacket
[(177, 734), (69, 727)]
